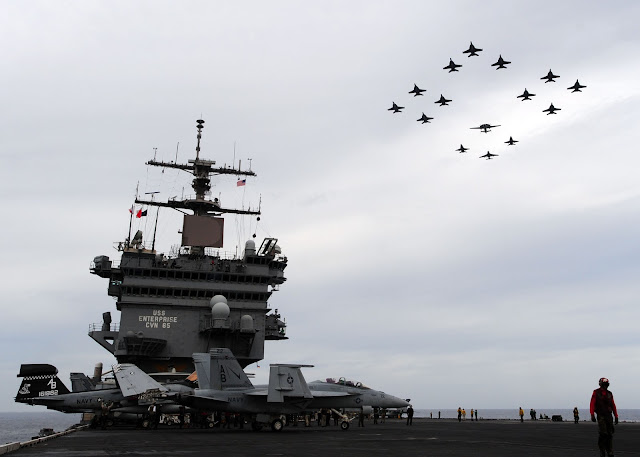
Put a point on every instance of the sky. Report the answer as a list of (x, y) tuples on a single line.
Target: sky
[(429, 274)]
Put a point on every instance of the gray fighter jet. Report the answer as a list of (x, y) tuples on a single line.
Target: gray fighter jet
[(443, 101), (425, 119), (351, 395), (511, 141), (576, 87), (551, 110), (485, 128), (452, 66), (488, 155), (526, 95), (550, 78), (417, 91), (462, 149), (501, 63), (395, 108), (472, 51)]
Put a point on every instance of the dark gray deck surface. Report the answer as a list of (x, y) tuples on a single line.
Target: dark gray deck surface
[(427, 437)]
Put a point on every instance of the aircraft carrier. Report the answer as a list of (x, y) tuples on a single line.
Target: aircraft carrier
[(197, 296)]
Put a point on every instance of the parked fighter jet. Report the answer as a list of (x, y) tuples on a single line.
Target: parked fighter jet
[(576, 87), (462, 149), (472, 51), (424, 119), (486, 128), (443, 101), (526, 95), (348, 394), (41, 386), (452, 66), (551, 110), (511, 141), (395, 108), (501, 63), (417, 91), (488, 155), (550, 77)]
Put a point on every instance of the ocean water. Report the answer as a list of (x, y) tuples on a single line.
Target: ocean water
[(22, 426), (628, 415)]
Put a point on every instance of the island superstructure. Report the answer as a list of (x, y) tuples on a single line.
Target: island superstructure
[(197, 297)]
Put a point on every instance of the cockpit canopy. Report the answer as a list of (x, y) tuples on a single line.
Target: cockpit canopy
[(346, 382)]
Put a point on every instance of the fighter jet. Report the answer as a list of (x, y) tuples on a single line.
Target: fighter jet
[(488, 155), (472, 51), (550, 77), (526, 95), (395, 108), (511, 141), (417, 91), (462, 149), (486, 128), (501, 63), (352, 395), (551, 110), (576, 87), (424, 119), (452, 66), (443, 101)]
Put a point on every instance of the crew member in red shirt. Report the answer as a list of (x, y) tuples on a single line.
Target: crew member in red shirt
[(603, 405)]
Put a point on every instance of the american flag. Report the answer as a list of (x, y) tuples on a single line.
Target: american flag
[(241, 182)]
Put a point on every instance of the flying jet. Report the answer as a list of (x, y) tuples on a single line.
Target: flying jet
[(417, 91), (462, 149), (576, 87), (550, 77), (526, 95), (424, 119), (486, 128), (472, 51), (551, 110), (443, 101), (501, 63), (511, 141), (395, 108), (488, 155), (452, 66)]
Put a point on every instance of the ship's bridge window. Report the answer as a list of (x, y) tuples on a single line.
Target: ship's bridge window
[(163, 273), (178, 275)]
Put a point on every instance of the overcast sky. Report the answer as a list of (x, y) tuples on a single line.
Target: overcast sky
[(429, 274)]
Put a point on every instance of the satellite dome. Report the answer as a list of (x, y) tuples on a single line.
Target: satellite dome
[(218, 299), (250, 247), (220, 311), (130, 333), (277, 249), (246, 323)]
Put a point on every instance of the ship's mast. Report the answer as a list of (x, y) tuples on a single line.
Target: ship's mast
[(201, 170)]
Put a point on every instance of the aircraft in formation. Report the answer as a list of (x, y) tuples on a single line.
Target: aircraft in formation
[(501, 63), (417, 91), (472, 51), (551, 110), (576, 87), (443, 101), (395, 108), (425, 119), (452, 66), (526, 95), (550, 78), (485, 128), (488, 155), (222, 385)]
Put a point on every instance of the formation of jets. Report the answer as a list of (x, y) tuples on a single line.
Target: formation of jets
[(501, 63)]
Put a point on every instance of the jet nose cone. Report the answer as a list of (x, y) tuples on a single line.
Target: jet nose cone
[(395, 402)]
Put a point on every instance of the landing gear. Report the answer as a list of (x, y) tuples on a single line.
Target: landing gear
[(344, 425), (277, 425)]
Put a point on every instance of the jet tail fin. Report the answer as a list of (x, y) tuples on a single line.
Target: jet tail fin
[(219, 370), (287, 381), (39, 381), (135, 382)]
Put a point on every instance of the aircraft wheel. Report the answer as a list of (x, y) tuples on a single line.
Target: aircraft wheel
[(256, 426), (277, 425), (344, 425), (210, 424), (146, 423)]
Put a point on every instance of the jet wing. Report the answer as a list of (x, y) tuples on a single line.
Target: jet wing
[(329, 394), (133, 381)]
